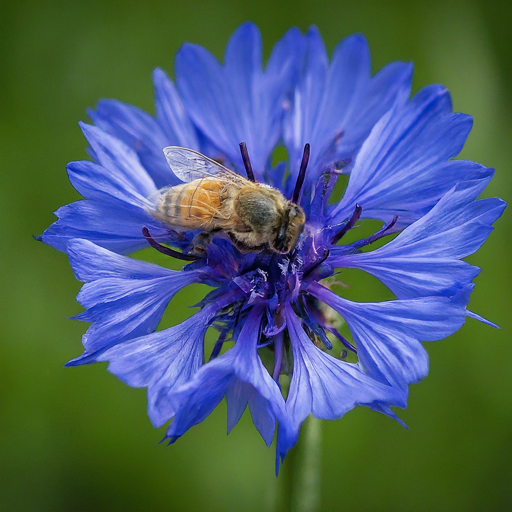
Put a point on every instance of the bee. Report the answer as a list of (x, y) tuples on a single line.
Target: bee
[(254, 215)]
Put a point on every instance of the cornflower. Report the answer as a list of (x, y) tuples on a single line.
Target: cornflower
[(276, 310)]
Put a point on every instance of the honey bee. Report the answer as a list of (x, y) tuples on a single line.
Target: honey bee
[(254, 215)]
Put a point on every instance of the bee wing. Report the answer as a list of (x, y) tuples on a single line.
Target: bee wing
[(189, 165)]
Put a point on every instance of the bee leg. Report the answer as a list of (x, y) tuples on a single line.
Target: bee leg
[(244, 248), (201, 241)]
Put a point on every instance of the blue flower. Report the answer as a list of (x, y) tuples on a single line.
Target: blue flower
[(397, 155)]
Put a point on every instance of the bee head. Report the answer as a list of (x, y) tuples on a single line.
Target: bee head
[(289, 230)]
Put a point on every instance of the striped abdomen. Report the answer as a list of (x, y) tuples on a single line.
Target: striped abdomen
[(194, 205)]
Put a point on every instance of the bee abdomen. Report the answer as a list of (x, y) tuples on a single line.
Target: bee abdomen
[(194, 205)]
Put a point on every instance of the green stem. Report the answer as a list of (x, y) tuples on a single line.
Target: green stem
[(299, 480)]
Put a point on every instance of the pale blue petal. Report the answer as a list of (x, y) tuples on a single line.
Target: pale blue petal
[(148, 136), (240, 376), (139, 131), (171, 114), (403, 168), (424, 259), (335, 106), (384, 409), (242, 103), (163, 362), (301, 120), (326, 387), (119, 161), (117, 229), (388, 335), (117, 193), (237, 397), (125, 298)]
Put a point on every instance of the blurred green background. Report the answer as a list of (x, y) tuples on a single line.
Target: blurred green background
[(78, 439)]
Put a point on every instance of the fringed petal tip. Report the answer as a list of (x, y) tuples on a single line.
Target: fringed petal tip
[(169, 439), (85, 358), (385, 409), (481, 319)]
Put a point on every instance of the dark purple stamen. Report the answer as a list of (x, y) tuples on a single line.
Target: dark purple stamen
[(302, 174), (165, 250), (317, 317), (343, 340), (348, 225), (314, 322), (265, 343), (379, 234), (320, 332), (247, 161), (318, 262), (278, 356), (218, 346)]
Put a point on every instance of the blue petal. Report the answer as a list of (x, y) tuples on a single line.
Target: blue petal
[(243, 60), (91, 263), (301, 120), (403, 168), (388, 335), (384, 409), (164, 361), (389, 86), (424, 259), (140, 132), (125, 298), (97, 183), (241, 394), (341, 101), (326, 387), (116, 229), (120, 162), (116, 193), (237, 398), (241, 101), (240, 376), (481, 319), (144, 134), (171, 113)]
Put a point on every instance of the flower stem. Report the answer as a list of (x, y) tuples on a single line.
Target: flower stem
[(300, 476)]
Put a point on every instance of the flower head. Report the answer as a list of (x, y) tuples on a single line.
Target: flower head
[(273, 311)]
